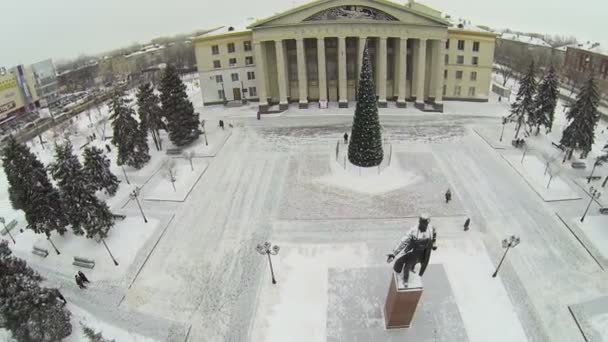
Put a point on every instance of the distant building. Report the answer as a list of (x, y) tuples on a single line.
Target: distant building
[(513, 49), (47, 85), (585, 58), (18, 94)]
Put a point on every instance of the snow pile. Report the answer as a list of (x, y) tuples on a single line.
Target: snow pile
[(599, 323), (108, 331), (369, 180)]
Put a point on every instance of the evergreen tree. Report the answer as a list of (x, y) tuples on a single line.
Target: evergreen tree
[(92, 335), (523, 107), (29, 312), (182, 122), (130, 140), (365, 147), (583, 116), (31, 190), (85, 212), (97, 170), (150, 113), (546, 100)]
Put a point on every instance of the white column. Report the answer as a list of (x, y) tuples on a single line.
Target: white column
[(281, 74), (302, 84), (260, 69), (382, 72), (321, 69), (342, 84), (402, 69), (438, 73), (420, 72)]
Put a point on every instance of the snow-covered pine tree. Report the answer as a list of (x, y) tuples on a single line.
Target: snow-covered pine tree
[(546, 100), (150, 113), (97, 170), (29, 312), (31, 190), (583, 116), (365, 147), (92, 335), (523, 107), (85, 212), (129, 139), (182, 122)]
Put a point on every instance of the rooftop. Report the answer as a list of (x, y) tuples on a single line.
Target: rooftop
[(591, 47), (240, 27), (522, 38), (465, 25)]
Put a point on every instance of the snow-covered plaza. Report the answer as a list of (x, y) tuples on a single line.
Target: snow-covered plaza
[(191, 273)]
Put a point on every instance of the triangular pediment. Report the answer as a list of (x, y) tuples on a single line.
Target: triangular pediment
[(332, 11)]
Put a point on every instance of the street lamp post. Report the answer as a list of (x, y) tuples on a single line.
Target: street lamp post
[(268, 249), (504, 122), (594, 194), (107, 249), (508, 243), (597, 163), (125, 173), (6, 229), (135, 196), (48, 237)]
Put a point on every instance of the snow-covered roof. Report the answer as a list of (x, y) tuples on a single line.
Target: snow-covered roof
[(240, 27), (591, 47), (146, 49), (522, 38), (465, 25)]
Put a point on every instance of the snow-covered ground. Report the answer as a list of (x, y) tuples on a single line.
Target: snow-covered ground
[(184, 177)]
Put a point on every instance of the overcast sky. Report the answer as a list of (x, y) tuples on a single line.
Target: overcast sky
[(32, 30)]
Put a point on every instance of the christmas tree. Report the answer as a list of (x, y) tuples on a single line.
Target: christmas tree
[(128, 137), (31, 190), (150, 113), (182, 122), (97, 170), (85, 212), (523, 107), (546, 101), (365, 148), (583, 116)]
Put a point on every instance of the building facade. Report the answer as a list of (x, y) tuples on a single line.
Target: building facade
[(585, 58), (17, 92), (47, 85), (313, 54)]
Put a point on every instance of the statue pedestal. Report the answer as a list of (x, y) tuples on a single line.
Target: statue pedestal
[(401, 301)]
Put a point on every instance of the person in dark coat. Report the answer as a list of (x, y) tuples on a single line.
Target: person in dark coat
[(448, 196), (83, 277), (79, 282), (58, 295), (345, 138), (222, 124), (108, 148), (466, 224)]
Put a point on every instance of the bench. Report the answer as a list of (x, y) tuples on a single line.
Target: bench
[(595, 177), (9, 227), (604, 211), (119, 216), (83, 262), (174, 151), (560, 146), (579, 165), (40, 251)]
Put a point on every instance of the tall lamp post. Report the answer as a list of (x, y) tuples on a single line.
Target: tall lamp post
[(597, 163), (594, 194), (507, 243), (107, 249), (135, 196), (266, 248), (504, 122), (8, 231)]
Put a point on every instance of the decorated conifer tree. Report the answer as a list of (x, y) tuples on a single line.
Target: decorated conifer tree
[(150, 113), (130, 140), (182, 122), (546, 100), (85, 212), (97, 170), (365, 147), (583, 116), (523, 107), (31, 190)]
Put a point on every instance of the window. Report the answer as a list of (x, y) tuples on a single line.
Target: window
[(447, 44), (215, 50), (457, 90), (475, 61), (445, 89), (461, 45), (247, 45), (445, 74), (473, 75), (446, 59), (234, 76), (232, 61), (248, 60), (459, 74), (476, 46), (253, 91), (221, 95), (459, 59), (250, 75), (217, 64), (230, 47), (219, 79), (471, 91)]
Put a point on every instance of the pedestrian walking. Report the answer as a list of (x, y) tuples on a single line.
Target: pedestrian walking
[(466, 224), (79, 282), (108, 148), (345, 138), (83, 277), (448, 196), (222, 124)]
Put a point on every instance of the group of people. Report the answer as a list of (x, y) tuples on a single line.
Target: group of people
[(519, 142), (448, 198), (81, 280)]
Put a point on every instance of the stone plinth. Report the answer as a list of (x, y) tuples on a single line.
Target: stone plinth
[(402, 301)]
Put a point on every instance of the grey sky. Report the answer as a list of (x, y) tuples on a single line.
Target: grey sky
[(39, 29)]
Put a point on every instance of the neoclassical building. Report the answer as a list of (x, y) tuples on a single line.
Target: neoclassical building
[(312, 55)]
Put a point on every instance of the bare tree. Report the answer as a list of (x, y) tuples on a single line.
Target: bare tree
[(170, 171), (553, 171), (506, 73), (189, 155), (550, 159)]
